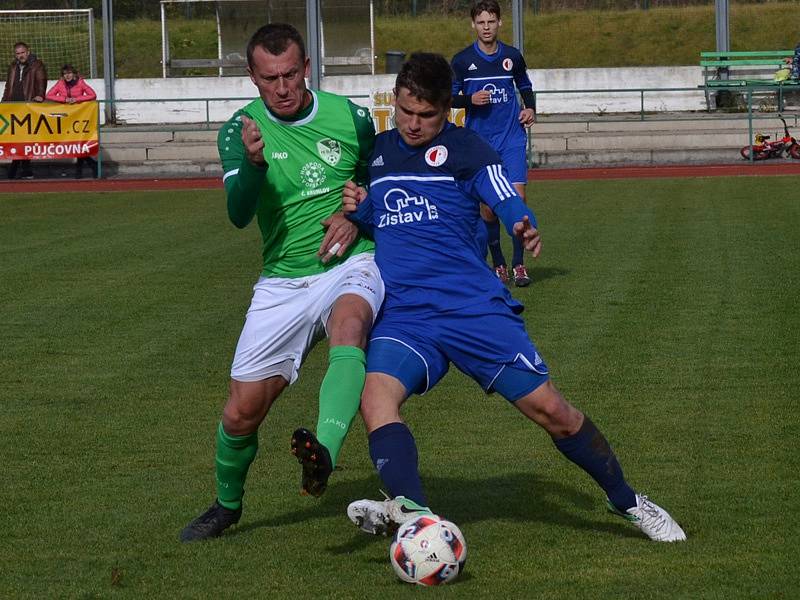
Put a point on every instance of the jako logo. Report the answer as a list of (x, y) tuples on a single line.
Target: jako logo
[(280, 155)]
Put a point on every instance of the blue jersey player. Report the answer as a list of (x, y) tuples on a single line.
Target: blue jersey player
[(486, 74), (443, 303)]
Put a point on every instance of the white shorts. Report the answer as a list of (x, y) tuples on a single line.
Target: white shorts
[(287, 316)]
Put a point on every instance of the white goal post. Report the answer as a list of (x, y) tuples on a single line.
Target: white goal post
[(57, 37), (348, 49)]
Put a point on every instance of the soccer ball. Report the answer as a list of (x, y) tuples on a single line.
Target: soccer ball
[(428, 551)]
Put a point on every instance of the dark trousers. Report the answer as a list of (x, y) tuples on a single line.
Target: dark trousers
[(16, 165), (85, 161)]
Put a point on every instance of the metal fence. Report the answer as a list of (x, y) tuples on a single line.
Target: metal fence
[(752, 107)]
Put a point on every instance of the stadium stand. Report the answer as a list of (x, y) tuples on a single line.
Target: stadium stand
[(731, 71)]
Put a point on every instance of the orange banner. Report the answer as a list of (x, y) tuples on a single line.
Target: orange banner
[(46, 130), (383, 112)]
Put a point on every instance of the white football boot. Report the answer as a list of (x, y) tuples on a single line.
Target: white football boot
[(654, 521), (384, 517)]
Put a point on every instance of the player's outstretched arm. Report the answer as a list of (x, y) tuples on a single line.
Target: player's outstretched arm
[(519, 221), (528, 235)]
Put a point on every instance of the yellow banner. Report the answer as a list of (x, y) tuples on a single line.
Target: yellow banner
[(48, 130), (383, 112)]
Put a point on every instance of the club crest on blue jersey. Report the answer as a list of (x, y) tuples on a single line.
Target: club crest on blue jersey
[(508, 64), (436, 156)]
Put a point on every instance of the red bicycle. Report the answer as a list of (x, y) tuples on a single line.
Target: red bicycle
[(763, 148)]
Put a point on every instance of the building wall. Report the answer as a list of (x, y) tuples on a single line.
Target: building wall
[(187, 94)]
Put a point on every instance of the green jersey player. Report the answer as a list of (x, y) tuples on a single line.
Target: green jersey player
[(286, 157)]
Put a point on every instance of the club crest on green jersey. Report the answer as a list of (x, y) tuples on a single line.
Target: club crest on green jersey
[(330, 151), (312, 174)]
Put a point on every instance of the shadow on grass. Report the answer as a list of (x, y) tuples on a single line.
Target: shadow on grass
[(518, 497), (542, 273)]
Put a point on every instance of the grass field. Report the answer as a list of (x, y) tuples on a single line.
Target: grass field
[(667, 310)]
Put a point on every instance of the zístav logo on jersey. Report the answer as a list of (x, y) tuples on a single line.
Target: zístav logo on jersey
[(496, 94), (406, 209)]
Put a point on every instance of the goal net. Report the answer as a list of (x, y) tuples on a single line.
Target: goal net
[(57, 37), (346, 31)]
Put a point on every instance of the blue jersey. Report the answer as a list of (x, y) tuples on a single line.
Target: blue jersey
[(423, 206), (498, 121)]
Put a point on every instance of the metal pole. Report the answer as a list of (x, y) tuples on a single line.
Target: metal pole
[(518, 16), (92, 46), (164, 42), (219, 39), (722, 19), (313, 23), (99, 147), (750, 123), (641, 105), (108, 59), (372, 37)]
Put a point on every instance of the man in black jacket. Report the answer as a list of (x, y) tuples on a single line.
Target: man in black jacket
[(26, 82)]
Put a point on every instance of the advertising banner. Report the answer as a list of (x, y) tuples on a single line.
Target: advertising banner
[(383, 111), (46, 130)]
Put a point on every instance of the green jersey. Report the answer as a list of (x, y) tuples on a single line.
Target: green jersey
[(309, 160)]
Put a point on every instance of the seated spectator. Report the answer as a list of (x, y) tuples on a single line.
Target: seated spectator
[(71, 89)]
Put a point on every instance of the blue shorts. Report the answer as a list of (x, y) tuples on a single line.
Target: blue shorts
[(488, 342), (515, 160)]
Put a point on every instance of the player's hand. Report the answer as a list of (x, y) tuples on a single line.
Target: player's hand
[(352, 196), (253, 144), (480, 98), (339, 234), (527, 117), (528, 235), (70, 100), (38, 99)]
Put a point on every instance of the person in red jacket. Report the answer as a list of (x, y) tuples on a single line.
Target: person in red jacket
[(71, 88)]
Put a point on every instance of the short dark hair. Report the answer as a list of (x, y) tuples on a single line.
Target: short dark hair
[(428, 77), (275, 39), (69, 69), (21, 45), (490, 6)]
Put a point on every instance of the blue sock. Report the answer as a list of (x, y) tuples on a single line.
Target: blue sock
[(517, 245), (394, 454), (493, 228), (589, 450)]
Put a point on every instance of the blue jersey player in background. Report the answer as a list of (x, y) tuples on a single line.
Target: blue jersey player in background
[(444, 304), (485, 76)]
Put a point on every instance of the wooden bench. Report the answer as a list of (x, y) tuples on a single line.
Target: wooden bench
[(753, 70)]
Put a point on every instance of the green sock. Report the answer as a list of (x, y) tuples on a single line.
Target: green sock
[(340, 396), (235, 453)]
